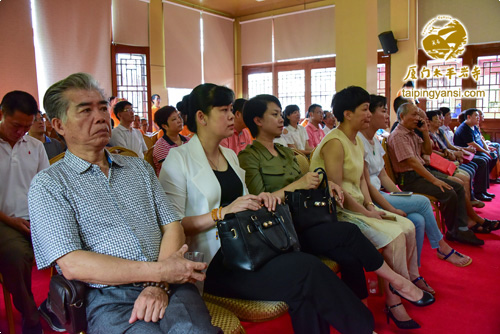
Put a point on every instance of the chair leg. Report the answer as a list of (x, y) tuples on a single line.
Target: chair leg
[(8, 308)]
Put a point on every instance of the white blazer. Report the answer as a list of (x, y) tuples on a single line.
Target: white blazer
[(194, 190)]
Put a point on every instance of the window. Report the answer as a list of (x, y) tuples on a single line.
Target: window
[(175, 95), (489, 81), (455, 104), (323, 86), (291, 88), (260, 83), (304, 81), (131, 77), (381, 79)]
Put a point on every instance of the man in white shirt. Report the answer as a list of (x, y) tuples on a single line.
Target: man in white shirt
[(21, 157), (125, 135), (330, 122)]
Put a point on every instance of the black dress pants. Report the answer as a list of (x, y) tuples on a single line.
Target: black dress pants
[(316, 296), (344, 243), (482, 177), (452, 201)]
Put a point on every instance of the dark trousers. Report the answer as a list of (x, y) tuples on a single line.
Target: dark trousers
[(316, 296), (452, 201), (344, 243), (482, 177), (492, 162), (16, 261)]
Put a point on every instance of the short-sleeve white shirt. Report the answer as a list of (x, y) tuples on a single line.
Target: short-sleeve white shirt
[(296, 136), (131, 139), (374, 157), (18, 166)]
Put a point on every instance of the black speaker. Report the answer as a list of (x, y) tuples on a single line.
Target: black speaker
[(389, 43)]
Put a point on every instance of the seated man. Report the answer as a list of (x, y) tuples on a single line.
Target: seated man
[(313, 128), (468, 134), (124, 134), (129, 252), (21, 157), (52, 146), (144, 126), (241, 136), (405, 150)]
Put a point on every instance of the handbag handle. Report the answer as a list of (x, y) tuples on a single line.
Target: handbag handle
[(321, 172), (266, 239)]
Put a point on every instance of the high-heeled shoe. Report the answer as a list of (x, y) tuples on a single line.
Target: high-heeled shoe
[(426, 299), (408, 324)]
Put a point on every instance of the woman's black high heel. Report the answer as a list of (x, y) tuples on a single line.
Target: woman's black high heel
[(408, 324), (426, 299)]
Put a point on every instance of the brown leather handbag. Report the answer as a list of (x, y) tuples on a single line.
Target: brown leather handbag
[(66, 300)]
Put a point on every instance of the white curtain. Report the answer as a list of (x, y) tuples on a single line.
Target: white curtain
[(130, 22), (72, 36), (17, 54)]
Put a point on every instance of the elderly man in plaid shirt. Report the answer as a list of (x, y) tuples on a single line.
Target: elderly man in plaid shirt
[(105, 220)]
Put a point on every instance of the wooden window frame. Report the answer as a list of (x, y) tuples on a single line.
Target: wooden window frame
[(307, 65), (119, 48)]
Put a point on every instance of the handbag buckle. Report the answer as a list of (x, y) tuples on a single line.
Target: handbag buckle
[(319, 203), (235, 235), (78, 304)]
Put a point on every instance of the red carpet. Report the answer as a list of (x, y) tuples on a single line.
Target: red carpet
[(467, 299)]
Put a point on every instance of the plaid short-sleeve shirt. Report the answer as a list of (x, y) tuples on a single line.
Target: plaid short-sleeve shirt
[(74, 206), (404, 144)]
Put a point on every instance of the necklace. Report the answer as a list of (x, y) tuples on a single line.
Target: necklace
[(214, 166)]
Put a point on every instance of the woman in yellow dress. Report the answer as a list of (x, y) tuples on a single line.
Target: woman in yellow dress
[(341, 154)]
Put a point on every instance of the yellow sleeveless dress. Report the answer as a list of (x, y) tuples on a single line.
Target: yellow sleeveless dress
[(379, 231)]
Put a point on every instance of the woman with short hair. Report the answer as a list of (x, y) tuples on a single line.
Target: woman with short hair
[(169, 120)]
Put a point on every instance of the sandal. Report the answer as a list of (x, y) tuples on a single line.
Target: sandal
[(492, 224), (483, 228), (427, 286), (445, 257)]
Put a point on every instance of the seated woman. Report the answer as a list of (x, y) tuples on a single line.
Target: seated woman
[(273, 168), (168, 120), (417, 207), (294, 133), (462, 175), (341, 154), (202, 176)]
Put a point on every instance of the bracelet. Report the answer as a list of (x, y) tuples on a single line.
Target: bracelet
[(219, 213), (160, 285), (370, 203), (214, 215)]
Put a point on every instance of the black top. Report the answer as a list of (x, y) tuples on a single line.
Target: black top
[(230, 185)]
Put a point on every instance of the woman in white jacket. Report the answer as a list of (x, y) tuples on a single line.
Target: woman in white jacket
[(200, 177)]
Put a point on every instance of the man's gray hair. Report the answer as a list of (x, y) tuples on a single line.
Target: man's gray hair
[(55, 102), (404, 109)]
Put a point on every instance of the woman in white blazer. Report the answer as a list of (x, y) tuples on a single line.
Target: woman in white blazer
[(202, 176)]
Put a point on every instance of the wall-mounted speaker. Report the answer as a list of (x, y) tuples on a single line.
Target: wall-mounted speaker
[(389, 43)]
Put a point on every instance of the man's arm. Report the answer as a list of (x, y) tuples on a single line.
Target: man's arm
[(479, 148), (415, 164)]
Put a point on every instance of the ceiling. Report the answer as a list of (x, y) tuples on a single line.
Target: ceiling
[(239, 8)]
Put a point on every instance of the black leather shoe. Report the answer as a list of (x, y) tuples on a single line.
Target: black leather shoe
[(483, 197), (465, 237), (489, 194), (426, 299), (408, 324)]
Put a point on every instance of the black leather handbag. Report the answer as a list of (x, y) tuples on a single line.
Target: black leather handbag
[(66, 300), (249, 239), (310, 207)]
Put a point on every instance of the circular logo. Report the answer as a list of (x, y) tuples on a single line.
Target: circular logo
[(444, 38)]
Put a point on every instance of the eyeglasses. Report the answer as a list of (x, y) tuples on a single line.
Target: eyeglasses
[(128, 109)]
